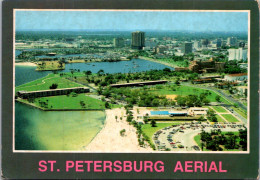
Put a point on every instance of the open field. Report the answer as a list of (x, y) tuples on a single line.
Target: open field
[(230, 118), (69, 102), (50, 65), (45, 83), (187, 90), (219, 109), (220, 119)]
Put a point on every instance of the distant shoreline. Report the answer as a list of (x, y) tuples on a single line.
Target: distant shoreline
[(153, 60)]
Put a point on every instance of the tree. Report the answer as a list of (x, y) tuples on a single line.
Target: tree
[(217, 98), (201, 118), (100, 72), (146, 119), (202, 145), (181, 100), (177, 81), (205, 101), (122, 132), (82, 104), (99, 90), (214, 119), (107, 105), (31, 100), (53, 86), (153, 123), (88, 72)]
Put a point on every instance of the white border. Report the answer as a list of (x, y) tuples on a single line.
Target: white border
[(171, 152)]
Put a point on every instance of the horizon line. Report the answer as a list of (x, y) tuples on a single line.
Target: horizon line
[(123, 30)]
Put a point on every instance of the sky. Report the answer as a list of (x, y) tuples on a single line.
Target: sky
[(132, 20)]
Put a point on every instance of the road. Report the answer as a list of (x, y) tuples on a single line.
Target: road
[(230, 99)]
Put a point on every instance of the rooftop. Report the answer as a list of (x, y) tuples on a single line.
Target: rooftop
[(49, 90), (145, 82), (239, 74)]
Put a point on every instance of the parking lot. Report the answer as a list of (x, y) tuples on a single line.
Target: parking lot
[(181, 137)]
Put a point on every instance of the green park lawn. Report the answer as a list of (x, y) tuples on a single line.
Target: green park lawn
[(169, 61), (230, 118), (70, 102), (219, 109), (220, 119), (45, 83), (197, 140), (187, 90)]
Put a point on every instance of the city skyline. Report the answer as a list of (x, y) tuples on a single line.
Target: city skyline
[(136, 20)]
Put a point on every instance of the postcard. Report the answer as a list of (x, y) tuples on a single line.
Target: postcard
[(130, 93)]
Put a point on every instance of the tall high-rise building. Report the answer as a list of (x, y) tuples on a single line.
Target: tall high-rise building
[(186, 48), (138, 40), (232, 41), (218, 42), (119, 42), (205, 42)]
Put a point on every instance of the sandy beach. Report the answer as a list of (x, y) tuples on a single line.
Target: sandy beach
[(25, 64), (109, 138)]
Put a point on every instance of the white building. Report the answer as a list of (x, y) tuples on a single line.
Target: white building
[(243, 65), (242, 90), (237, 54), (197, 111), (197, 45)]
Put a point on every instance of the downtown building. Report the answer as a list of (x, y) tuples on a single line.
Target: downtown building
[(232, 41), (138, 40), (161, 49), (237, 54), (197, 45), (204, 43), (186, 47), (118, 42), (218, 43)]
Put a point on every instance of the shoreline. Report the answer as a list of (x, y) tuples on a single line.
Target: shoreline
[(25, 64), (44, 109), (160, 62), (108, 139)]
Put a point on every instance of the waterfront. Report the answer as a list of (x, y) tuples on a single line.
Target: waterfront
[(25, 74), (40, 130), (70, 130)]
